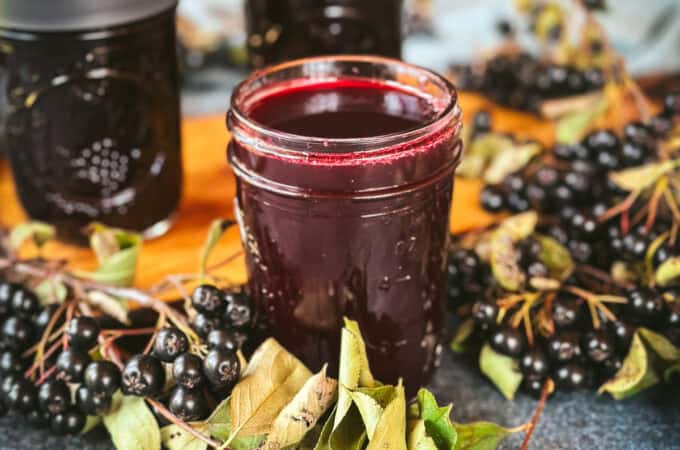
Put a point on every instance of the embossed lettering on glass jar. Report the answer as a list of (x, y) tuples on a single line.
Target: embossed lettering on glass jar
[(344, 179), (91, 112), (280, 30)]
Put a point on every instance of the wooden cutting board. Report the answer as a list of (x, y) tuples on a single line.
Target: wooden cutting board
[(209, 188)]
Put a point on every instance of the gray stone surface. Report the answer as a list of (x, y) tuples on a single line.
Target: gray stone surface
[(576, 421)]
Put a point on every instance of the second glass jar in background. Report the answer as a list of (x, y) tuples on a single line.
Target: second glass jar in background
[(280, 30), (90, 111)]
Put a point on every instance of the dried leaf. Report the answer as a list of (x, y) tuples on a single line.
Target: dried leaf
[(176, 438), (504, 262), (303, 412), (572, 127), (651, 251), (502, 370), (668, 271), (639, 178), (635, 375), (91, 423), (519, 226), (437, 420), (390, 432), (38, 232), (549, 17), (270, 382), (103, 242), (131, 425), (371, 403), (561, 107), (671, 372), (510, 160), (112, 306), (480, 436), (217, 229), (555, 257), (417, 436), (51, 291), (354, 369), (463, 333), (218, 425)]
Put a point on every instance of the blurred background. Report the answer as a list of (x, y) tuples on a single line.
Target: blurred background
[(437, 34)]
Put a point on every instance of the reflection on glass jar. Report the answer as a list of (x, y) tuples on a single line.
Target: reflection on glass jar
[(280, 30), (91, 122)]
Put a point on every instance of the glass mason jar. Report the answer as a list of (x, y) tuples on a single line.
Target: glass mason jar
[(90, 112), (280, 30), (355, 225)]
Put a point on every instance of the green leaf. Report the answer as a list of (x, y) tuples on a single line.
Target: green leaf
[(324, 441), (519, 226), (176, 438), (502, 370), (39, 232), (480, 436), (651, 251), (463, 333), (217, 229), (390, 432), (131, 425), (437, 420), (635, 374), (480, 151), (555, 257), (270, 382), (116, 266), (668, 271), (51, 291), (639, 178), (572, 127), (218, 426), (661, 346), (303, 412), (354, 369)]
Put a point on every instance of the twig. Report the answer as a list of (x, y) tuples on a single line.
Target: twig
[(548, 388)]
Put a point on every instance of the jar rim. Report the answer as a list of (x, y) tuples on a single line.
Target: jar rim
[(290, 145)]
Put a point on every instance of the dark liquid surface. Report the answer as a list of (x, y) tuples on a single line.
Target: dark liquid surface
[(347, 110), (313, 260)]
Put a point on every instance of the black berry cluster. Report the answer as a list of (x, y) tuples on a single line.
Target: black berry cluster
[(523, 82), (50, 401)]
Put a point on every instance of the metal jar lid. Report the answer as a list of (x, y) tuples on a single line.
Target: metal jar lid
[(72, 15)]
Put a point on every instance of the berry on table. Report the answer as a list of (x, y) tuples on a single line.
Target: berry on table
[(572, 376), (188, 405), (188, 370), (223, 340), (25, 302), (533, 384), (38, 419), (54, 397), (143, 376), (563, 347), (71, 365), (169, 344), (485, 313), (598, 347), (507, 341), (11, 362), (492, 199), (69, 422), (238, 312), (645, 305), (222, 368), (23, 396), (42, 319), (102, 377), (534, 362), (566, 311), (83, 332), (17, 333), (208, 299), (671, 104), (7, 291), (204, 324), (91, 402), (623, 335)]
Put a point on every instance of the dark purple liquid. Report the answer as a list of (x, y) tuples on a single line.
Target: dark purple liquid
[(316, 257)]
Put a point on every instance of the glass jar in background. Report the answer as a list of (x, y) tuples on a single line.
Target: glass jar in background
[(279, 30), (90, 112), (344, 170)]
